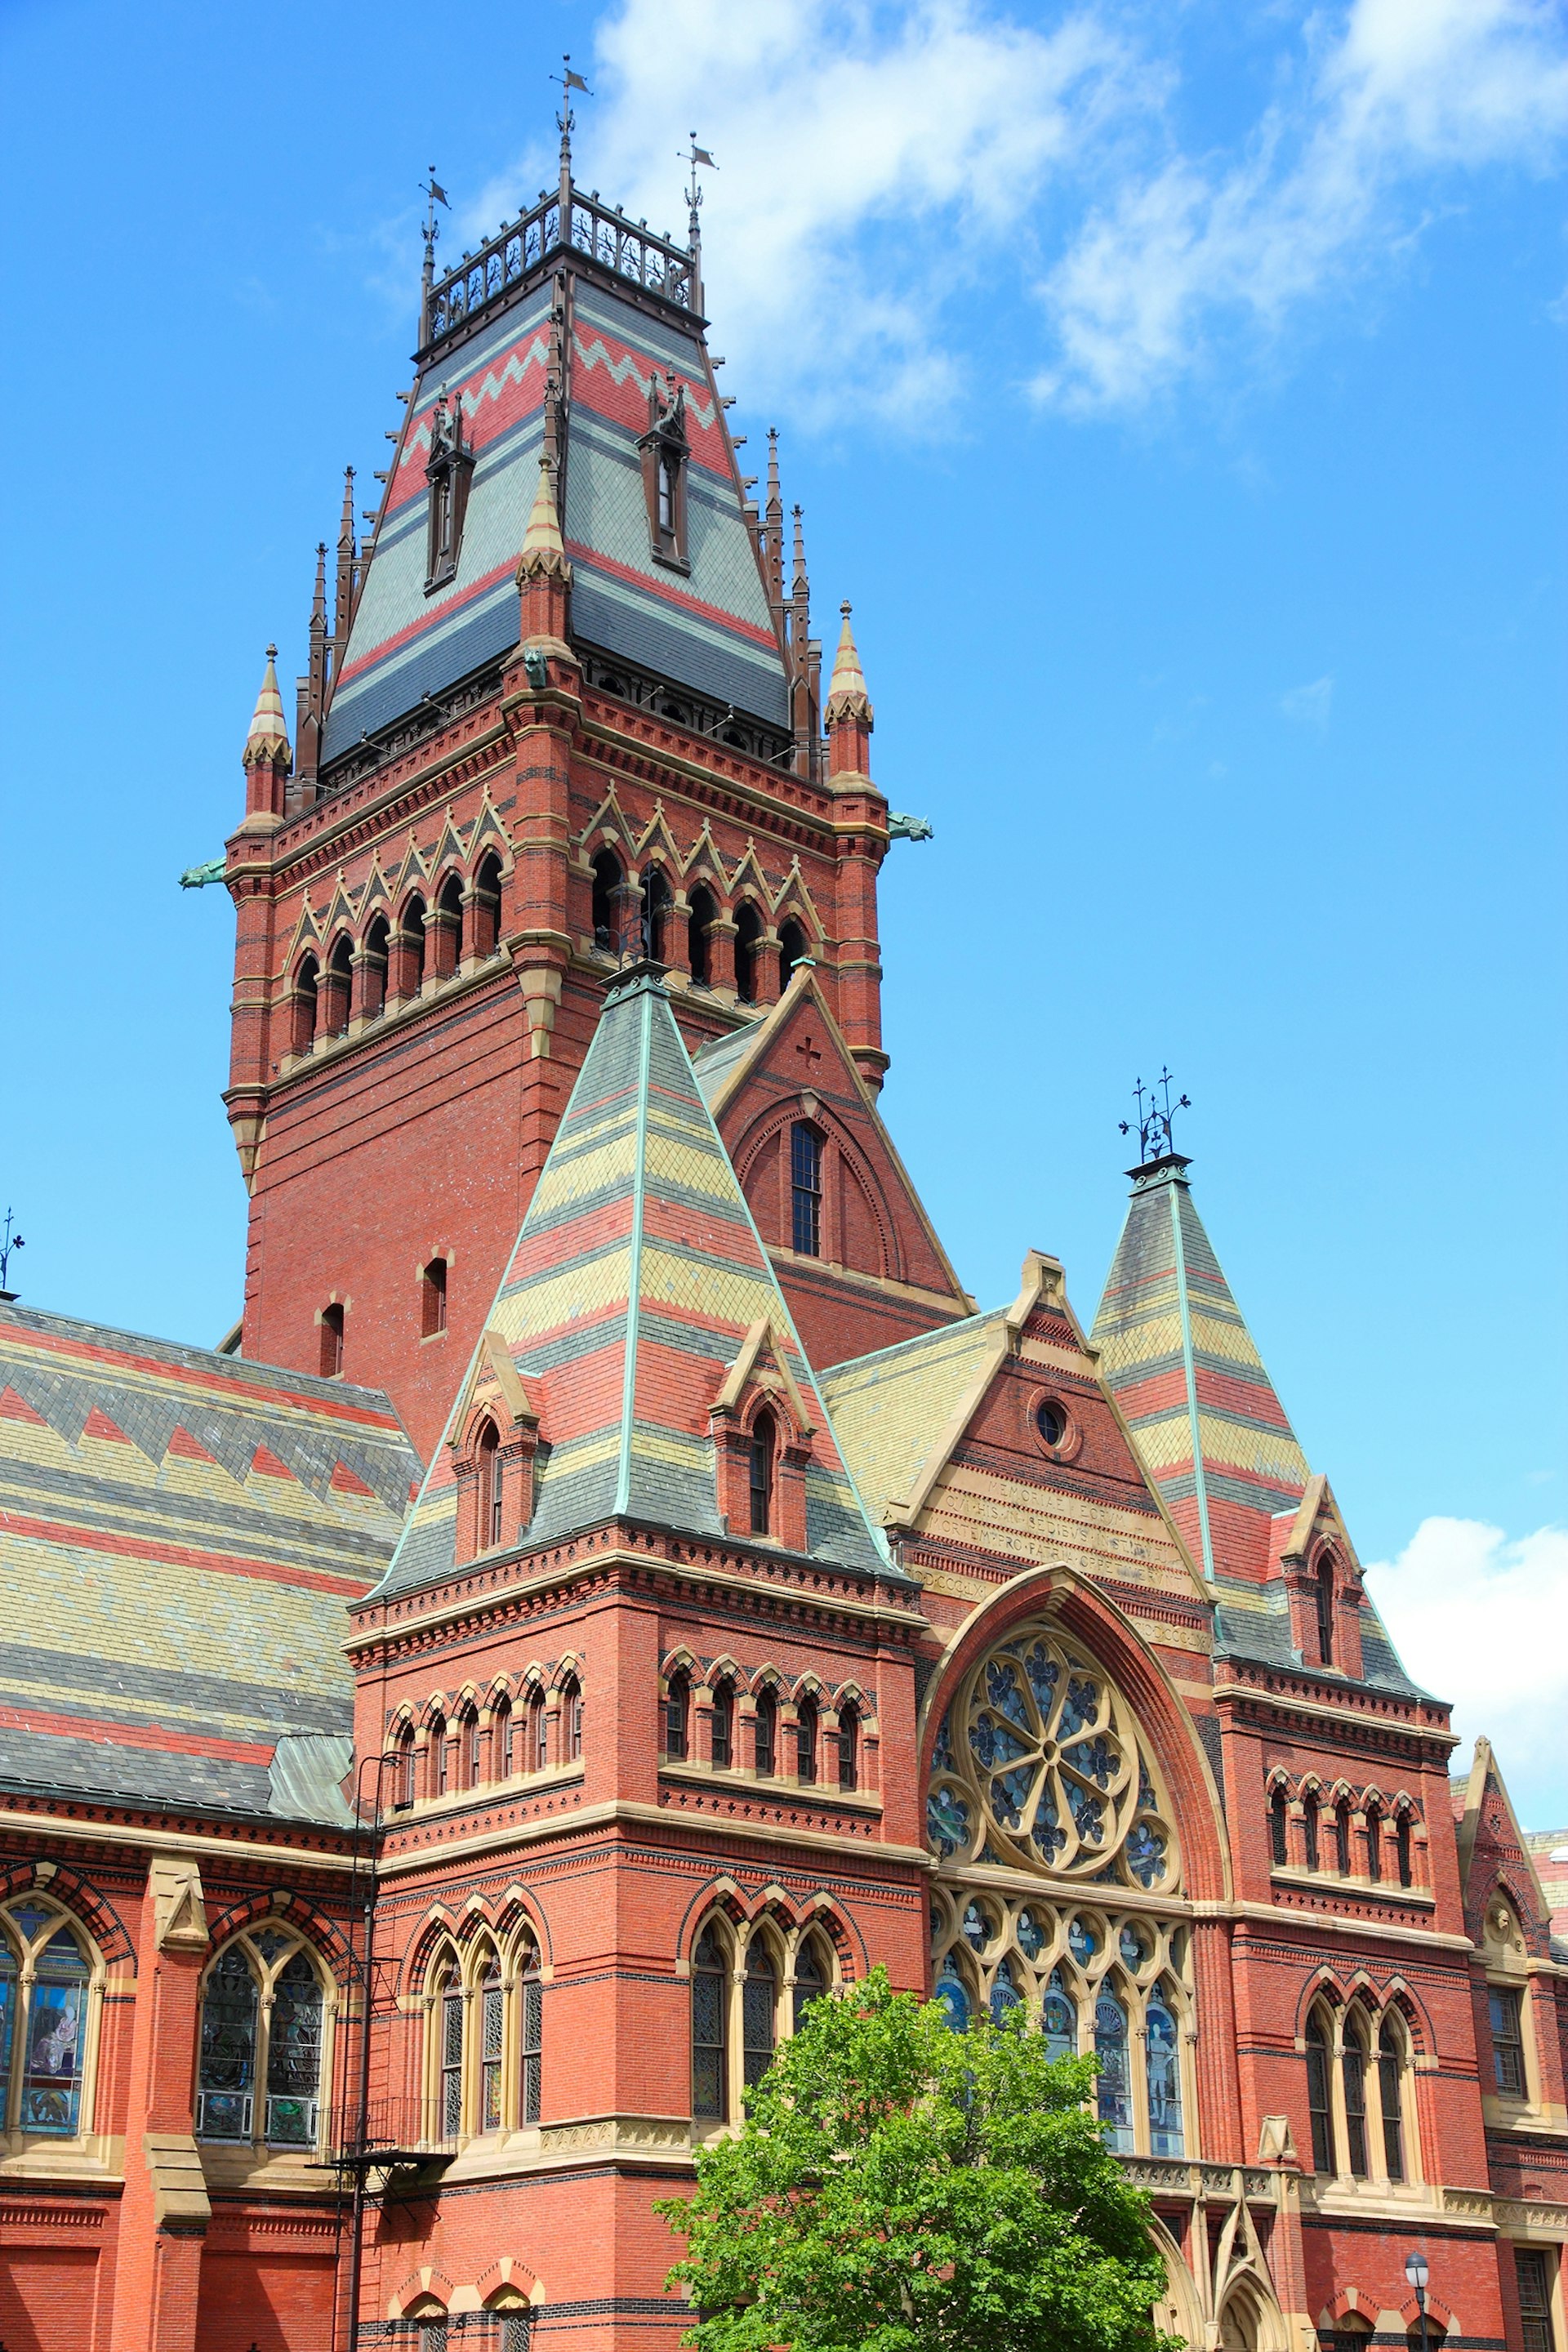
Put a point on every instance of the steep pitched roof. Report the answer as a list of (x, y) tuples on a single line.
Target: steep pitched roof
[(634, 1283), (180, 1532), (1186, 1372)]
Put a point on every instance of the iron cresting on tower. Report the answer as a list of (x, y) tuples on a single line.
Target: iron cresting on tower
[(623, 1588)]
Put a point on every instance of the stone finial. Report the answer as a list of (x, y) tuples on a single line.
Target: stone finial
[(847, 695), (266, 745), (543, 553)]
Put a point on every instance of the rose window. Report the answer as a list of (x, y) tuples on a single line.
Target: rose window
[(1038, 1767)]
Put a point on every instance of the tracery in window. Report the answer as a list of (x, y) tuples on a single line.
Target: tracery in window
[(485, 2010), (759, 2006), (749, 1989), (1358, 2099), (1320, 2103), (1352, 2077), (45, 1976), (709, 2028), (259, 2070)]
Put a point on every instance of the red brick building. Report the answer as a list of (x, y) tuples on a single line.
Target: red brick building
[(619, 1585)]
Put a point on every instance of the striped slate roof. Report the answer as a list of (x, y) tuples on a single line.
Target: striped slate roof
[(708, 627), (636, 1278), (180, 1532), (1186, 1371), (891, 1409)]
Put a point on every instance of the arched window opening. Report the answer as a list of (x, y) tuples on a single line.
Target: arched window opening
[(377, 953), (430, 2319), (1059, 2019), (1278, 1846), (1163, 2072), (1352, 2070), (767, 1732), (226, 2080), (954, 1994), (470, 1738), (805, 1741), (793, 950), (1506, 2008), (305, 993), (262, 2022), (572, 1722), (332, 1341), (449, 2008), (56, 2029), (759, 2014), (1309, 1827), (446, 926), (1005, 1994), (1402, 1859), (1351, 2334), (764, 1439), (723, 1728), (710, 2030), (438, 1753), (1324, 1597), (1114, 2082), (748, 937), (407, 1768), (805, 1189), (486, 916), (1319, 2104), (1342, 1837), (413, 930), (1390, 2071), (492, 1497), (433, 1299), (608, 886), (538, 1733), (1373, 1843), (530, 2039), (492, 2040), (699, 946), (656, 915), (678, 1718), (849, 1746), (338, 987), (812, 1979)]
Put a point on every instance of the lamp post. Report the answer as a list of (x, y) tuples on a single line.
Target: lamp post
[(1417, 2272)]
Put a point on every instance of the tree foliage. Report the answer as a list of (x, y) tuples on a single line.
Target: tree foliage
[(900, 2188)]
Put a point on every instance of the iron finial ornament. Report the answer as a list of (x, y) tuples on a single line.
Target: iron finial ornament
[(9, 1241), (564, 121), (1156, 1141)]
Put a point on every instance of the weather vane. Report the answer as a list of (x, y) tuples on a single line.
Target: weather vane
[(693, 193), (434, 194), (1156, 1141), (9, 1241)]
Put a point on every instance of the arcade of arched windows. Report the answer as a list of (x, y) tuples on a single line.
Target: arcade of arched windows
[(1058, 1890), (767, 1725), (752, 1981), (517, 1730), (1341, 1833), (394, 954), (484, 2016), (725, 939), (1359, 2084)]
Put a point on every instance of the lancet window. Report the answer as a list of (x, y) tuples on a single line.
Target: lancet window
[(1359, 2105), (264, 2018), (1058, 1885), (485, 2010), (748, 1992), (46, 1978)]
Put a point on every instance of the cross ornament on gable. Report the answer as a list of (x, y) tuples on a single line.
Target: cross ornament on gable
[(809, 1047)]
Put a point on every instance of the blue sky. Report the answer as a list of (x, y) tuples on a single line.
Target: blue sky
[(1177, 395)]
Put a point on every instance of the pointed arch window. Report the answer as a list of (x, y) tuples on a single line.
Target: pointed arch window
[(793, 950), (710, 2028), (1309, 1827), (377, 954), (446, 927), (1278, 1811), (805, 1189), (531, 2037), (702, 915), (1114, 2081), (485, 916), (1163, 2072), (666, 451), (449, 472), (1390, 2099), (449, 2006), (609, 883), (1373, 1843), (433, 1299), (759, 2013), (723, 1728), (571, 1721), (332, 1341), (493, 2046), (1342, 1837), (763, 1444), (805, 1741), (1353, 2075), (337, 988), (1323, 1595), (538, 1733), (503, 1738), (263, 2024), (407, 1768), (678, 1718), (1059, 2019), (767, 1732), (748, 939), (1319, 2105), (848, 1746), (656, 915), (306, 991), (811, 1977), (1402, 1859), (491, 1496)]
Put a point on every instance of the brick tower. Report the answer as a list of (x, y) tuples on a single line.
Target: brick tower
[(567, 710)]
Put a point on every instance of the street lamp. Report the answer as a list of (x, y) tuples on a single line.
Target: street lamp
[(1417, 2272)]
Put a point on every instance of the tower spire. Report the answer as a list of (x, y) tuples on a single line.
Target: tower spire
[(773, 522), (344, 586), (804, 695), (266, 757), (311, 705)]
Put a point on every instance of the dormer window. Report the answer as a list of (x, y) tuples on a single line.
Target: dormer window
[(665, 457), (449, 472), (1324, 1596)]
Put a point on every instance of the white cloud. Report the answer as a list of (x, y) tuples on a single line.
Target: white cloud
[(876, 164), (1309, 705), (1482, 1620)]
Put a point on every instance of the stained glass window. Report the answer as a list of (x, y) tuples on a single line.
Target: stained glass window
[(1163, 2068), (759, 2002), (7, 2014), (954, 1995), (810, 1979), (294, 2054), (1005, 1993), (1115, 2085), (228, 2075), (1059, 2019), (710, 2030)]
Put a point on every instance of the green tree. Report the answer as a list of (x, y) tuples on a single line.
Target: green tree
[(900, 2188)]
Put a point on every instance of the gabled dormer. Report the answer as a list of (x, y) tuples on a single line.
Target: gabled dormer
[(493, 1440), (763, 1431), (1322, 1583)]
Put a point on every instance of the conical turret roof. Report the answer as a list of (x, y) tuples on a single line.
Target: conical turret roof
[(1186, 1371), (268, 738), (635, 1281), (847, 695)]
